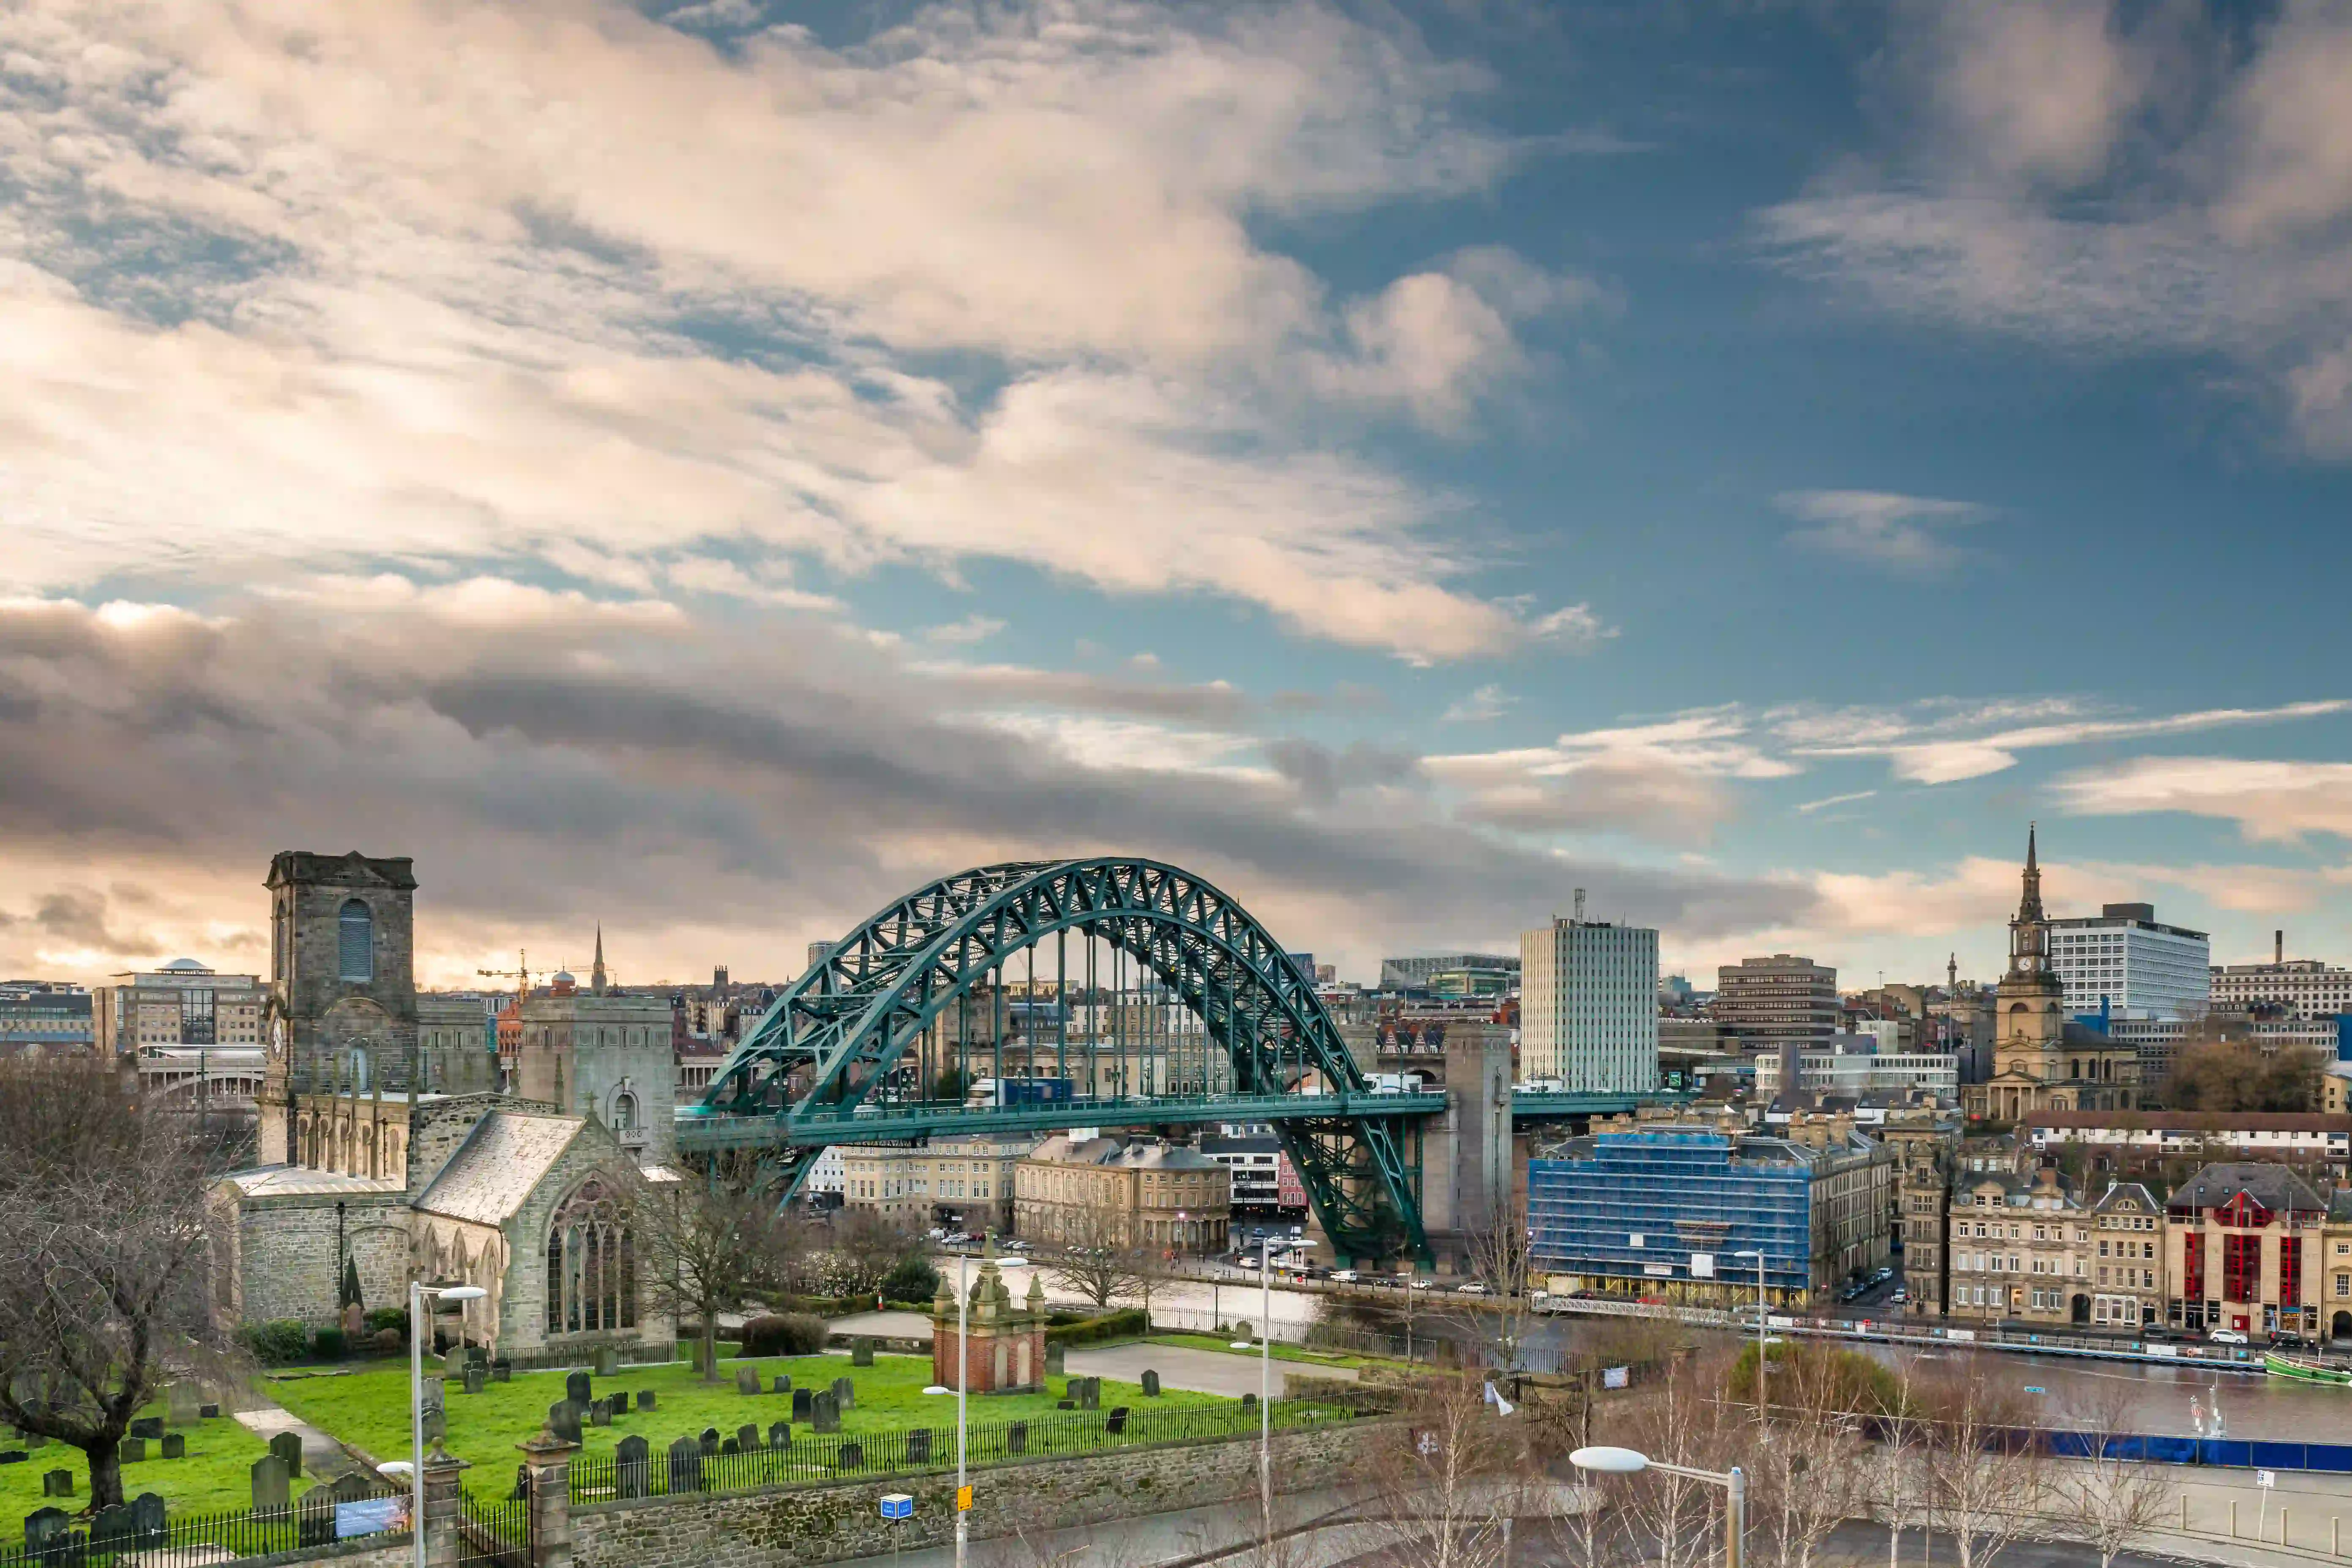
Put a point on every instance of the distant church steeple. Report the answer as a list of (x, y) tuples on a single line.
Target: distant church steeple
[(596, 971), (2029, 933), (1952, 973)]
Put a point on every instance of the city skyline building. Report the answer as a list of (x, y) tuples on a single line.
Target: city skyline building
[(2122, 958), (1589, 1007), (1771, 1002)]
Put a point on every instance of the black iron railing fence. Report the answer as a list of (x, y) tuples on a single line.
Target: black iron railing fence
[(320, 1518)]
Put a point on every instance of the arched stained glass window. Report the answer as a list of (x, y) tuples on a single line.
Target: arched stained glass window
[(355, 945), (592, 1275)]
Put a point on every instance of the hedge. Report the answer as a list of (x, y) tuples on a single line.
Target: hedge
[(1129, 1323)]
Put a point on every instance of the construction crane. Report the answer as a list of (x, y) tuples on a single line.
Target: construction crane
[(519, 974)]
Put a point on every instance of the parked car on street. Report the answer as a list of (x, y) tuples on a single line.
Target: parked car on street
[(2227, 1337), (1472, 1288)]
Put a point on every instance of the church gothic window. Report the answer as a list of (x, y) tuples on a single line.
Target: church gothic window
[(355, 941), (591, 1265)]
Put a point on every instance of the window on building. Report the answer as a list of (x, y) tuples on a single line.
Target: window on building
[(591, 1265), (355, 941)]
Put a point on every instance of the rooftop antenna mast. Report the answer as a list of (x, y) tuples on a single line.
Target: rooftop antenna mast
[(1579, 906)]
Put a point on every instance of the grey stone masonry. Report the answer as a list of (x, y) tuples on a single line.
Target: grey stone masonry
[(784, 1526), (330, 1012)]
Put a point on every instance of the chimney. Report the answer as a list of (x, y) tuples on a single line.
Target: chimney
[(2278, 946)]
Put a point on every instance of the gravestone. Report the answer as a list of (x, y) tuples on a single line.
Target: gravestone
[(632, 1464), (1249, 1400), (861, 1351), (1016, 1437), (272, 1482), (1151, 1383), (454, 1363), (57, 1483), (175, 1446), (209, 1412), (1091, 1393), (353, 1487), (1054, 1365), (112, 1530), (729, 1445), (503, 1372), (747, 1439), (645, 1399), (608, 1361), (147, 1516), (1065, 1404), (45, 1528), (710, 1440), (919, 1445), (181, 1407), (784, 1383), (314, 1519), (600, 1414), (563, 1420), (845, 1394), (685, 1465), (477, 1377), (747, 1380), (800, 1405), (825, 1413), (1116, 1423), (147, 1427), (780, 1434), (577, 1389), (853, 1456), (133, 1450), (34, 1441), (13, 1455)]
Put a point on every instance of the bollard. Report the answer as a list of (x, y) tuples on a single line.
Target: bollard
[(2336, 1537), (2233, 1519), (2281, 1526), (2184, 1514)]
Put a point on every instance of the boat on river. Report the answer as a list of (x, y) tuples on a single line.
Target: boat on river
[(2304, 1369)]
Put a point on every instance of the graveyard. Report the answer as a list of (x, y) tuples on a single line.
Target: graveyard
[(213, 1473), (369, 1409)]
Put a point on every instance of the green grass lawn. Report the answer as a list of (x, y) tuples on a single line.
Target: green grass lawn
[(370, 1409), (216, 1475)]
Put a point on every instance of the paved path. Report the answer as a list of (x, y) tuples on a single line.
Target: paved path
[(884, 1325), (1182, 1366), (321, 1455)]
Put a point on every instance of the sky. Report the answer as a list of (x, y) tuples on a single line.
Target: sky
[(707, 469)]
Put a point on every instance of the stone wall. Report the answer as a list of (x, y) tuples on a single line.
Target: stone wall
[(286, 1264), (785, 1526)]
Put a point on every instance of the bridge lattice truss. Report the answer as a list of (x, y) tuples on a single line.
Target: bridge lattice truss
[(806, 1068)]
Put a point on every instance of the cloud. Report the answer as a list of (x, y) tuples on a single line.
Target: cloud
[(1661, 779), (745, 788), (2032, 180), (454, 287), (2269, 800), (1810, 806), (1968, 743), (1323, 773), (1896, 533), (972, 628), (1483, 705)]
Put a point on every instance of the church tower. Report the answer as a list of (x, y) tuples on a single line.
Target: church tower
[(343, 989), (2030, 1019), (596, 970)]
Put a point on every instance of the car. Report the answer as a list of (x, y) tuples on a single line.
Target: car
[(2227, 1337), (1472, 1288), (2287, 1339), (1424, 1284), (1343, 1277), (1900, 1296)]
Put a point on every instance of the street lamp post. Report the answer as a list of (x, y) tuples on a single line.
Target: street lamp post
[(1733, 1481), (963, 1388), (1757, 1253), (1266, 1397), (417, 1292)]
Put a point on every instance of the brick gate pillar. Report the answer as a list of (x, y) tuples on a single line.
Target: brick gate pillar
[(547, 1457)]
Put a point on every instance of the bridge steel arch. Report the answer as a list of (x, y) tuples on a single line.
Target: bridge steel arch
[(834, 1032)]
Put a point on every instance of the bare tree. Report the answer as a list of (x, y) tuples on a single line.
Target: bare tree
[(105, 1224), (1984, 1480), (1809, 1469), (710, 1243), (1451, 1483), (1681, 1419), (1502, 1259), (1902, 1440), (2117, 1504), (1095, 1257), (860, 1251)]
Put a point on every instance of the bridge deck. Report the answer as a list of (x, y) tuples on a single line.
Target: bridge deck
[(702, 1132)]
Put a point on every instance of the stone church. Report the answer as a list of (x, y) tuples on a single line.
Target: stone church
[(387, 1139), (2043, 1059)]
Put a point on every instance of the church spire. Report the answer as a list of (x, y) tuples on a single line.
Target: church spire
[(2029, 907), (596, 973), (2029, 933)]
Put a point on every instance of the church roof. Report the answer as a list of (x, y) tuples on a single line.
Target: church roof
[(495, 1171), (302, 1182)]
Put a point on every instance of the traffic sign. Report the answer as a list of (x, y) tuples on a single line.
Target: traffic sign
[(2265, 1478), (963, 1499), (898, 1505)]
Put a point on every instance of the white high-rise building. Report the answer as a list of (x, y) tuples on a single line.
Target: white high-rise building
[(1589, 1007), (2125, 958)]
